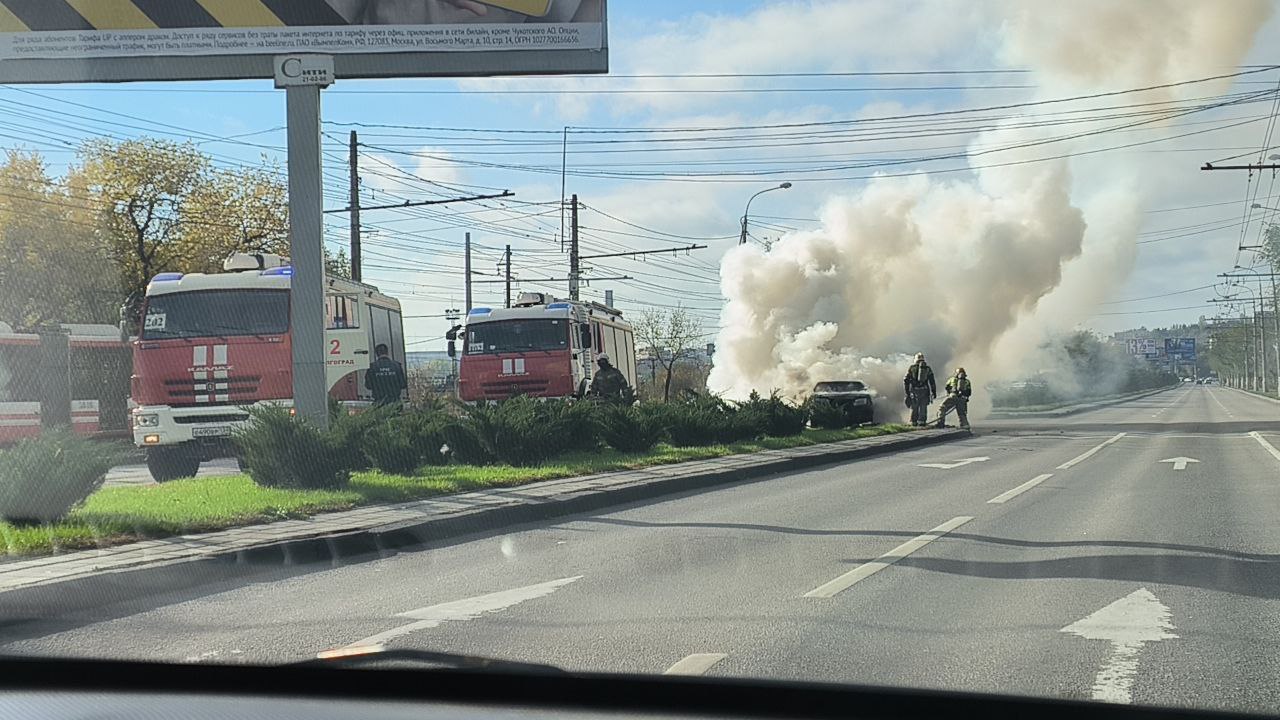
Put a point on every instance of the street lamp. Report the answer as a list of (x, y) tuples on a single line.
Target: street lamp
[(742, 240)]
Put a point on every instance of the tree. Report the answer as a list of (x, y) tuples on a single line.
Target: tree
[(162, 206), (337, 264), (50, 258), (670, 337)]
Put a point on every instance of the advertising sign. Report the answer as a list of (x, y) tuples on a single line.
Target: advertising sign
[(1145, 347), (118, 40), (1180, 348)]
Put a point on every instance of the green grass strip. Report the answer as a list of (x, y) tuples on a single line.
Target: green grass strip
[(113, 516)]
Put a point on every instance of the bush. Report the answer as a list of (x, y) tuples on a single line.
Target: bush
[(694, 423), (463, 443), (828, 415), (522, 431), (283, 451), (392, 448), (43, 478), (353, 433), (581, 420), (630, 429)]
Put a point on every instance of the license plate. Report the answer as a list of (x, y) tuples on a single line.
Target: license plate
[(205, 432)]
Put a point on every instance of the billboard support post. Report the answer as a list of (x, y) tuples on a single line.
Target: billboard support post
[(302, 78)]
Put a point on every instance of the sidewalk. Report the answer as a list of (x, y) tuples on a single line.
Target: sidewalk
[(331, 537)]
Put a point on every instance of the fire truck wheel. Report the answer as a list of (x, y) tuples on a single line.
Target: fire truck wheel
[(168, 464)]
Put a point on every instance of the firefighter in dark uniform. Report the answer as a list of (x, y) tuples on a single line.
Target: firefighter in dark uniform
[(610, 384), (385, 378), (921, 389), (959, 390)]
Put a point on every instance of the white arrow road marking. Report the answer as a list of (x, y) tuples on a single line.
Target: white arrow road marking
[(1180, 463), (695, 664), (956, 464), (866, 570), (1266, 445), (436, 615), (1128, 623), (1090, 452)]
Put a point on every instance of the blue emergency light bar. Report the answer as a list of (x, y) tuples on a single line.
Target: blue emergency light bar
[(480, 311), (286, 271), (559, 306), (167, 277)]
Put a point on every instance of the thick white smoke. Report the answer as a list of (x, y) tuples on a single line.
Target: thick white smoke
[(977, 271)]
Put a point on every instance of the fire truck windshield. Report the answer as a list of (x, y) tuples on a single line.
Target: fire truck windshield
[(216, 313), (503, 336)]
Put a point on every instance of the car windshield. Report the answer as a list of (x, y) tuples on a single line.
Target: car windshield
[(599, 348), (840, 387), (508, 336), (215, 313)]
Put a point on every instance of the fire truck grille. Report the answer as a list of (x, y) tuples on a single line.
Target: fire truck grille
[(213, 391)]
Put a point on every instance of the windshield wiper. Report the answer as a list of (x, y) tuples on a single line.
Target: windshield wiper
[(357, 656)]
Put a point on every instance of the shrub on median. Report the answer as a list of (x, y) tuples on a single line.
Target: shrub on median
[(630, 429), (284, 451), (829, 416), (524, 431), (43, 478)]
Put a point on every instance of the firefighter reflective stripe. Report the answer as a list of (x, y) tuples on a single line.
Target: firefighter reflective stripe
[(240, 13), (10, 22), (116, 14)]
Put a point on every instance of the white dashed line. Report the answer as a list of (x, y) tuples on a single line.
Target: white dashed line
[(1089, 453), (695, 664), (1005, 497), (866, 570), (1266, 445)]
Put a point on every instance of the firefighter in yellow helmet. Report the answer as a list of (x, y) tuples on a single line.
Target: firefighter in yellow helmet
[(959, 390)]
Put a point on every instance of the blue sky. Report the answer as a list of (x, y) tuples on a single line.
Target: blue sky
[(417, 255)]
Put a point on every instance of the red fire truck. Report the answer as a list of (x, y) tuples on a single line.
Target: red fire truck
[(213, 344), (99, 381), (540, 348)]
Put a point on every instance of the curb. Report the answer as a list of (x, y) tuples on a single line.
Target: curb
[(55, 597), (1251, 393), (1083, 407)]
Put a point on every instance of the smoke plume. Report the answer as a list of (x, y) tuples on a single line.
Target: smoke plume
[(977, 271)]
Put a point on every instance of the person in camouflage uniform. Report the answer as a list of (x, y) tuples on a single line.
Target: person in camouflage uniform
[(959, 390), (610, 384), (920, 388)]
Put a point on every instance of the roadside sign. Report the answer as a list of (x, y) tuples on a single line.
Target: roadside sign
[(49, 41), (1145, 347), (1180, 348)]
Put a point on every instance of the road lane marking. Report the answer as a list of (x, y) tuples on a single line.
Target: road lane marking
[(1214, 395), (1008, 495), (1263, 442), (954, 465), (1089, 453), (468, 609), (866, 570), (1180, 463), (1128, 623), (695, 664)]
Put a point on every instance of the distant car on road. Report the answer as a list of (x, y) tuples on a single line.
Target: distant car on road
[(852, 395)]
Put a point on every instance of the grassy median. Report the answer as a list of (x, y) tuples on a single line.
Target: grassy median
[(118, 515)]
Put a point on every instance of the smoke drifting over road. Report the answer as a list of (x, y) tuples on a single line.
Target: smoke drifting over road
[(977, 271)]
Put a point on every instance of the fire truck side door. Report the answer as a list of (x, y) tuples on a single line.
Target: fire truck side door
[(346, 344)]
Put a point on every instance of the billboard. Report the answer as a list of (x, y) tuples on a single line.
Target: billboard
[(1180, 349), (121, 40), (1145, 347)]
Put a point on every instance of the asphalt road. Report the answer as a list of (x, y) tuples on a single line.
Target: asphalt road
[(1127, 554)]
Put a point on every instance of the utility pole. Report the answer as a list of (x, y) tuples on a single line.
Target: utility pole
[(467, 271), (355, 206), (574, 270), (507, 276)]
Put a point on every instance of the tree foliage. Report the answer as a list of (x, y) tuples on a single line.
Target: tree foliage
[(670, 337), (74, 247)]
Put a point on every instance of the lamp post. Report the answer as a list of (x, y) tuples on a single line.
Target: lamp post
[(742, 239)]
